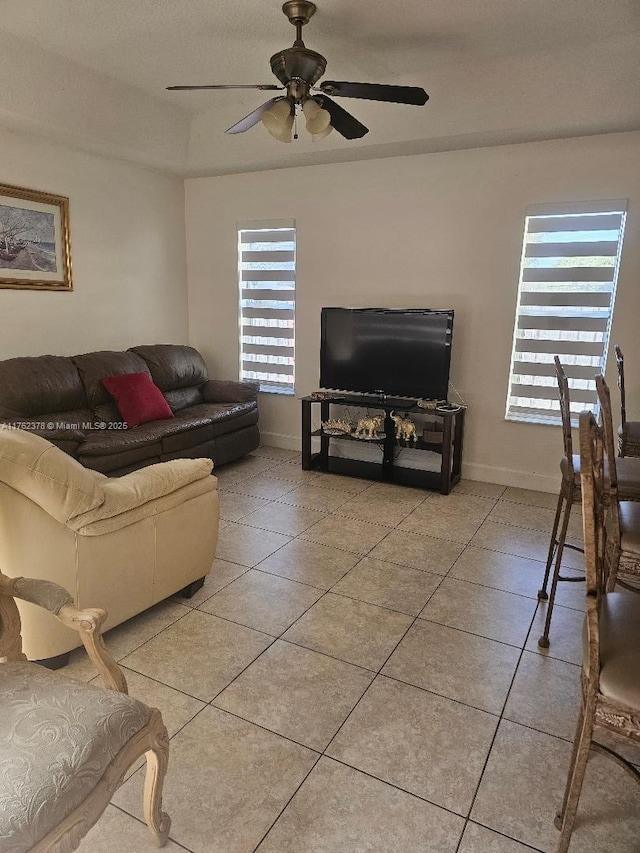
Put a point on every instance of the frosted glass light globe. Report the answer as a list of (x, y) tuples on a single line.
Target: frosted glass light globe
[(318, 119), (278, 120)]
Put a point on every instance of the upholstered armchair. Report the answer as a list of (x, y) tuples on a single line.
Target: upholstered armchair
[(124, 543), (67, 745)]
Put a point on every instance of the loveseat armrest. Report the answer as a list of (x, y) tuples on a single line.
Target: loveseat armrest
[(88, 623), (229, 391), (142, 487)]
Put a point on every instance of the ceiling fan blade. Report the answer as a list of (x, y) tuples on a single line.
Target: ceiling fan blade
[(342, 121), (248, 122), (376, 92), (265, 87)]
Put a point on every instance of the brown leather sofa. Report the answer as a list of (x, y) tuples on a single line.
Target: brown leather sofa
[(62, 399)]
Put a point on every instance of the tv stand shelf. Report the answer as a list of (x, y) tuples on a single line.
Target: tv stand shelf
[(450, 449)]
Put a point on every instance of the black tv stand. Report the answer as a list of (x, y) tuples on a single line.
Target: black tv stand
[(448, 443)]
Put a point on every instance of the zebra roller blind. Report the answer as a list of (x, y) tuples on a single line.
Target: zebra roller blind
[(566, 294), (267, 284)]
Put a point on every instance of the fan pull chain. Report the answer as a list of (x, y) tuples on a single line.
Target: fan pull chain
[(295, 121)]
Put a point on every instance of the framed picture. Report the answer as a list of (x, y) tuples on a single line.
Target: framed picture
[(35, 251)]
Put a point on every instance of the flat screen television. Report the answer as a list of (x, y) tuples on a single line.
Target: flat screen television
[(397, 352)]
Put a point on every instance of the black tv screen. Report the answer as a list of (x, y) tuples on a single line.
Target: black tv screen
[(401, 353)]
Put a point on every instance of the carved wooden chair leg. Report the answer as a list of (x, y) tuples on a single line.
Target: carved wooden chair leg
[(157, 757), (553, 544), (565, 819)]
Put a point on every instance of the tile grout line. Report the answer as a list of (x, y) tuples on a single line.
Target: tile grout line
[(495, 734), (143, 822), (502, 835), (282, 810)]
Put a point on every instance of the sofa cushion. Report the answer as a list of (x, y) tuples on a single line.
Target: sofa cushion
[(173, 366), (106, 441), (57, 738), (93, 367), (47, 475), (183, 398), (35, 385), (216, 413), (141, 487), (231, 417), (138, 399)]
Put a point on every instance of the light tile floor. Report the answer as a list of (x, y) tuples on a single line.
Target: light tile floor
[(361, 673)]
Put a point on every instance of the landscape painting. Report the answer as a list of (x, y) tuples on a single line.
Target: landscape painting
[(34, 240)]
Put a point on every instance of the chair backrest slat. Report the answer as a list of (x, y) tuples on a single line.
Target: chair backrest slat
[(611, 474), (604, 397), (565, 412), (620, 364), (594, 490)]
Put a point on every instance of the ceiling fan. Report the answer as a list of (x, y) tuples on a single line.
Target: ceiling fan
[(299, 69)]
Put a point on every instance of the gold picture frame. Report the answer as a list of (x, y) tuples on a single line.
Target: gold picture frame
[(35, 247)]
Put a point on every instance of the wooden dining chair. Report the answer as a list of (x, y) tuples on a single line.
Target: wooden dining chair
[(570, 494), (611, 648), (627, 477), (66, 745), (622, 553), (629, 432)]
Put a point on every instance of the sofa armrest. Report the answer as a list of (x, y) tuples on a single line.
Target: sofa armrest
[(123, 494), (229, 391)]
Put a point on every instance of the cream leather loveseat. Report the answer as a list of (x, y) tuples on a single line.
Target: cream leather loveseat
[(120, 544)]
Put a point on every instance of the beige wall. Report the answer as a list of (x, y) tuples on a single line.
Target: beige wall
[(128, 254), (435, 230)]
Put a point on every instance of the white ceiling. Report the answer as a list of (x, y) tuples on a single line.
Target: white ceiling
[(94, 72)]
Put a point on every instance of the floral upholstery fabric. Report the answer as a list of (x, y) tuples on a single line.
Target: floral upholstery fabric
[(57, 737)]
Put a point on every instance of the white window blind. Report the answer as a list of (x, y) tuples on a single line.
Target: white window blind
[(566, 294), (267, 284)]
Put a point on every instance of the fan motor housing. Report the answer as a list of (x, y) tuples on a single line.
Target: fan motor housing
[(298, 62)]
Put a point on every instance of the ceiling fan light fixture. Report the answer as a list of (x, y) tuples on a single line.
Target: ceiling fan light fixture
[(318, 120), (278, 117), (298, 69), (287, 130), (283, 132), (317, 137)]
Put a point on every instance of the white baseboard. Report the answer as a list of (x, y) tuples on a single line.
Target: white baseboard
[(277, 439), (510, 477)]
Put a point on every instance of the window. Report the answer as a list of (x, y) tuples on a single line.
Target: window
[(568, 276), (267, 284)]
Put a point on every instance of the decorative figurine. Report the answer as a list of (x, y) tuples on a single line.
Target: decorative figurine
[(368, 427), (405, 428), (408, 430), (398, 422), (338, 426)]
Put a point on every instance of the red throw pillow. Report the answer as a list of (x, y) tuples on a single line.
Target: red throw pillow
[(138, 399)]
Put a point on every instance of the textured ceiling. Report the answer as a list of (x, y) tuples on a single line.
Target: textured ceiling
[(482, 62)]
